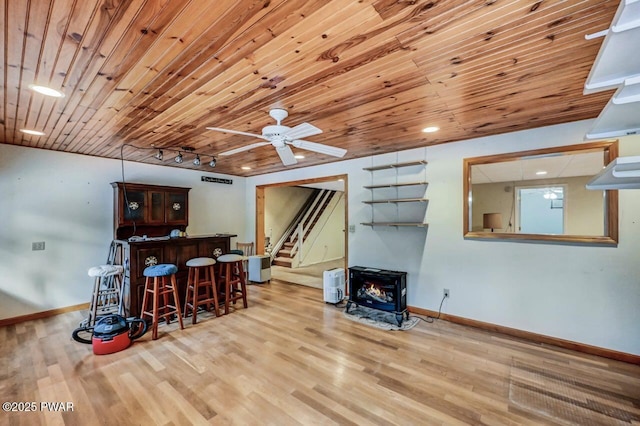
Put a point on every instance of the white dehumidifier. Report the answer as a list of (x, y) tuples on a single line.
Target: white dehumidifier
[(333, 283), (259, 268)]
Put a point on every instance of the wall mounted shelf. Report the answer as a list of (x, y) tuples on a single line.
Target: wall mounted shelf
[(615, 61), (617, 67), (412, 224), (397, 200), (395, 165), (394, 188), (395, 185)]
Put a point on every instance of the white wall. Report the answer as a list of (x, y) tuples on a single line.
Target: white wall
[(66, 200), (584, 294), (326, 240), (281, 205)]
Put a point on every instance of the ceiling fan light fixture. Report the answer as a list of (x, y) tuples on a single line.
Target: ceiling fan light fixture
[(431, 129), (212, 163), (159, 156), (32, 132), (196, 162), (178, 158), (48, 91)]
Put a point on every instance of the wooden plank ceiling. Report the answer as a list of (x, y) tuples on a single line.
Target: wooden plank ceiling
[(139, 74)]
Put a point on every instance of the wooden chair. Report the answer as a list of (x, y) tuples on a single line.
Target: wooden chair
[(247, 250)]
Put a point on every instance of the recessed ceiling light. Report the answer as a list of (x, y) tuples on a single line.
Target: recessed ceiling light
[(46, 91), (246, 168), (431, 129), (32, 132), (541, 172), (298, 156)]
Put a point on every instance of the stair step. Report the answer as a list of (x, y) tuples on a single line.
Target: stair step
[(285, 253), (282, 261)]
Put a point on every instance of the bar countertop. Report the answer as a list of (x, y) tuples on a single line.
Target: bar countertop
[(144, 239)]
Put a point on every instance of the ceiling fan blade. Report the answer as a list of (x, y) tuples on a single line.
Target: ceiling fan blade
[(302, 131), (286, 155), (244, 148), (318, 147), (236, 132)]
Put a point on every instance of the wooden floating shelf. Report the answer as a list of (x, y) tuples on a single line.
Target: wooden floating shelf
[(395, 185), (396, 165), (409, 224), (397, 200)]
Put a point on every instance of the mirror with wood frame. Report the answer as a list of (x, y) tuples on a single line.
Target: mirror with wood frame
[(540, 196)]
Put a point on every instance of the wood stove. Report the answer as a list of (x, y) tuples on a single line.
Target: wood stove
[(379, 289)]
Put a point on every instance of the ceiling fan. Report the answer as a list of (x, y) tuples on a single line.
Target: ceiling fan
[(282, 136)]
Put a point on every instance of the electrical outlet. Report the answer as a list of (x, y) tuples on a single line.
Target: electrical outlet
[(37, 245), (445, 292)]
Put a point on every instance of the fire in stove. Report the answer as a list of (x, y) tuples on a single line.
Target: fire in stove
[(373, 292)]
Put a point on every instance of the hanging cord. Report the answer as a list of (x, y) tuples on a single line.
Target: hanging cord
[(124, 184)]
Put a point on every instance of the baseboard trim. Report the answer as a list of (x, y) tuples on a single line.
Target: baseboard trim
[(43, 314), (534, 337)]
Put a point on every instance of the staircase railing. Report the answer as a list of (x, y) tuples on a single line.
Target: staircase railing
[(294, 223), (315, 237)]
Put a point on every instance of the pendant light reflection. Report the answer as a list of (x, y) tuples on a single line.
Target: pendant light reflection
[(212, 163), (178, 158), (196, 162)]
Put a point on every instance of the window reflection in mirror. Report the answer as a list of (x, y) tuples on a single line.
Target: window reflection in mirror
[(541, 195)]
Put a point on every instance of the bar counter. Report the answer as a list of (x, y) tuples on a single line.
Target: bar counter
[(138, 254)]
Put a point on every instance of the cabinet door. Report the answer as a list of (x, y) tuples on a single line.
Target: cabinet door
[(176, 208), (143, 257), (156, 207), (213, 247), (133, 207)]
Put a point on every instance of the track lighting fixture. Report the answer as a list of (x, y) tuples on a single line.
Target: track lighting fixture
[(196, 162), (179, 157), (159, 155), (212, 163)]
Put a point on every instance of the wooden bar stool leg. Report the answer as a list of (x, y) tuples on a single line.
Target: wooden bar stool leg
[(227, 287), (187, 296), (243, 284), (174, 284), (214, 289), (195, 291), (155, 312)]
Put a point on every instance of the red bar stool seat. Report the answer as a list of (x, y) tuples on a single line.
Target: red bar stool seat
[(201, 267)]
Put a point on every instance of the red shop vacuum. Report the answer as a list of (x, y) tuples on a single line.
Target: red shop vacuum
[(111, 333)]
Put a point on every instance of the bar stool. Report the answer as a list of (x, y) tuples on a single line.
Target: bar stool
[(232, 273), (107, 292), (161, 281), (194, 298)]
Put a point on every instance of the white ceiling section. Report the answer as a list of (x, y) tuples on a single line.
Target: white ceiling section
[(617, 66)]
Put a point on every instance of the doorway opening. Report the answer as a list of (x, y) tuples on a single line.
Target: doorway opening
[(540, 209), (330, 246)]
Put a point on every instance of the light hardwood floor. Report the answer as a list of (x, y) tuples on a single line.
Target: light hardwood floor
[(291, 359)]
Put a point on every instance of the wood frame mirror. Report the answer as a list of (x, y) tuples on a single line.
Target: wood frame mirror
[(497, 190)]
